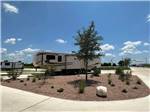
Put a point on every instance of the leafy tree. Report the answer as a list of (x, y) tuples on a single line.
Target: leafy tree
[(114, 64), (127, 61), (121, 63), (89, 43)]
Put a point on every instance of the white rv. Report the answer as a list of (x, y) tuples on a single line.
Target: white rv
[(63, 62), (12, 65)]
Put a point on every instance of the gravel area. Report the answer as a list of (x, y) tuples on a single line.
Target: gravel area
[(70, 84)]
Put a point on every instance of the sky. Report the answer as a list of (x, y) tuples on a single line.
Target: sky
[(29, 27)]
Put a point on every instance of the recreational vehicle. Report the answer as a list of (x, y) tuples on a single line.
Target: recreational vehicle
[(11, 65), (63, 62)]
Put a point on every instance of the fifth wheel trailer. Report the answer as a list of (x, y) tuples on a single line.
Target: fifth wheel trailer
[(63, 62), (6, 65)]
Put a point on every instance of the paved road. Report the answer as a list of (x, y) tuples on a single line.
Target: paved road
[(14, 100)]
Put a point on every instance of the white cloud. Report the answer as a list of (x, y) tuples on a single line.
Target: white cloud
[(148, 18), (107, 47), (132, 43), (3, 50), (109, 55), (27, 51), (24, 55), (10, 41), (146, 44), (130, 48), (61, 41), (10, 8), (19, 39)]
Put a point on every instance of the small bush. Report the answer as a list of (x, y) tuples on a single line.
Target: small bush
[(127, 82), (39, 78), (109, 81), (135, 87), (96, 71), (124, 91), (52, 87), (122, 77), (1, 79), (8, 81), (25, 84), (21, 80), (139, 82), (81, 86), (60, 90), (119, 70), (109, 75), (34, 79), (28, 78), (14, 73), (112, 85)]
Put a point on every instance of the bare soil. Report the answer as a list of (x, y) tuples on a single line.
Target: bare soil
[(70, 84)]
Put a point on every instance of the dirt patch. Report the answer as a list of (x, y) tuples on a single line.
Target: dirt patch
[(70, 85)]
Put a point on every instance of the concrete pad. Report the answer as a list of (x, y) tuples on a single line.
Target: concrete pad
[(107, 71), (14, 100), (55, 104), (142, 73)]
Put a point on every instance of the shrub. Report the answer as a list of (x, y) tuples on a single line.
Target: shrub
[(135, 87), (8, 81), (119, 70), (34, 79), (109, 75), (127, 82), (109, 81), (122, 77), (139, 82), (112, 85), (39, 78), (21, 80), (14, 73), (96, 71), (124, 91), (60, 90), (52, 87), (81, 86), (25, 84), (28, 78)]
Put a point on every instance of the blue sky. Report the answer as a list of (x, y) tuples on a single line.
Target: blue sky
[(31, 26)]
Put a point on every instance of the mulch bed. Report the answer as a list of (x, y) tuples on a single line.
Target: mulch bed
[(70, 84)]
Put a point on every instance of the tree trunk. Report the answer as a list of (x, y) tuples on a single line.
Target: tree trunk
[(86, 70)]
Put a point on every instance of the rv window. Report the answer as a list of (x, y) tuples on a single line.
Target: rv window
[(59, 58), (7, 64), (50, 57)]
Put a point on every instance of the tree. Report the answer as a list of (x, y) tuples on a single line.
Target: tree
[(121, 63), (89, 43), (50, 69), (127, 61), (114, 64)]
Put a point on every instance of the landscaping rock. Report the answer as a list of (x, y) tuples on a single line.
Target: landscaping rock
[(101, 91)]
